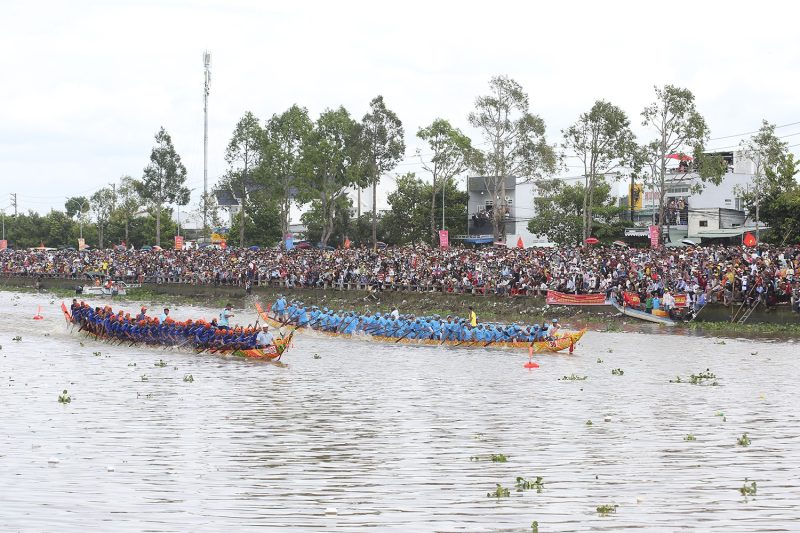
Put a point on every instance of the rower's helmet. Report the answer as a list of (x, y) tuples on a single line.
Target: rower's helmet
[(402, 316), (340, 311), (438, 317), (555, 320), (479, 325), (325, 309), (449, 317), (456, 317)]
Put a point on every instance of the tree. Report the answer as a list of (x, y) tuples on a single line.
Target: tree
[(333, 161), (58, 227), (407, 222), (766, 152), (314, 220), (163, 179), (776, 198), (207, 209), (680, 130), (128, 202), (262, 227), (601, 140), (77, 206), (560, 213), (282, 147), (452, 154), (102, 206), (516, 138), (384, 139), (243, 156)]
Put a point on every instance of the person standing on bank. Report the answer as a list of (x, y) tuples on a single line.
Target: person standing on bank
[(224, 316)]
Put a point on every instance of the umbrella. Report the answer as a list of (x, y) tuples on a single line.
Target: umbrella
[(156, 248), (499, 243), (255, 248), (681, 157), (146, 247), (689, 242), (620, 243), (591, 240), (203, 245)]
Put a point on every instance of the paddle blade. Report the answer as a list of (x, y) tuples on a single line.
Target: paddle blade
[(531, 365)]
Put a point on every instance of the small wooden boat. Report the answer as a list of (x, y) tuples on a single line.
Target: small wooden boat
[(627, 311), (270, 352), (556, 345)]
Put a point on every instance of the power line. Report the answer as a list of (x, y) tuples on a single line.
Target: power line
[(751, 132)]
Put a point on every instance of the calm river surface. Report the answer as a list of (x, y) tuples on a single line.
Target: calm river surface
[(384, 433)]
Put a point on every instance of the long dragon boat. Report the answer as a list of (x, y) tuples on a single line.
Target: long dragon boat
[(270, 352), (567, 341)]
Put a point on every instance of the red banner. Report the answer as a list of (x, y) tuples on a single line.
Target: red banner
[(3, 244), (559, 298), (631, 298), (178, 242), (444, 239), (653, 236), (681, 300)]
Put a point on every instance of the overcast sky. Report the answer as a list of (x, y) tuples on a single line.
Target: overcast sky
[(85, 85)]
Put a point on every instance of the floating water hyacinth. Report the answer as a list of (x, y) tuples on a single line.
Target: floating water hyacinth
[(499, 492), (744, 441), (748, 490), (606, 510), (63, 398)]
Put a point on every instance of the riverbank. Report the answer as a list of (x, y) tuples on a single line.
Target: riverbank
[(489, 308)]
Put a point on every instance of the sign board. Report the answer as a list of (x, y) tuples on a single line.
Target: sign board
[(3, 244), (444, 239), (219, 234), (178, 242), (653, 235), (81, 244), (559, 298), (289, 241)]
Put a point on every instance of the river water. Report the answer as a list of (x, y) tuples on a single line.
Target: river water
[(385, 433)]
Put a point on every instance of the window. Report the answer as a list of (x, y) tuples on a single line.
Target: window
[(678, 190), (489, 204), (739, 206), (728, 201), (704, 223)]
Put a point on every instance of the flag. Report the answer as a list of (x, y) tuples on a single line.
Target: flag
[(519, 243), (749, 240), (223, 245), (347, 243), (42, 244), (123, 243)]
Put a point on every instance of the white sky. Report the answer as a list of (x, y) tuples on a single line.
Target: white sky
[(85, 85)]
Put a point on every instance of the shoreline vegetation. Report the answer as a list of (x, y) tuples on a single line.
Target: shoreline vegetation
[(523, 311)]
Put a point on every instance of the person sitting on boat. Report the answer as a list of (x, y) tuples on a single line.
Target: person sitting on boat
[(552, 330), (436, 328), (380, 325), (280, 308), (264, 338)]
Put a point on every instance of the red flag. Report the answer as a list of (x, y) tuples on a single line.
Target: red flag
[(519, 243), (749, 240), (347, 243), (42, 243), (123, 243)]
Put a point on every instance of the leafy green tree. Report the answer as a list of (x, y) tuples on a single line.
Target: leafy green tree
[(262, 224), (128, 204), (243, 155), (452, 154), (766, 152), (407, 222), (78, 207), (59, 229), (207, 209), (680, 130), (314, 219), (385, 145), (281, 170), (102, 202), (776, 198), (333, 162), (516, 142), (602, 140), (559, 213), (163, 179), (145, 229)]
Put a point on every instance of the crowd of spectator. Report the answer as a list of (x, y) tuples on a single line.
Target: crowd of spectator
[(719, 273)]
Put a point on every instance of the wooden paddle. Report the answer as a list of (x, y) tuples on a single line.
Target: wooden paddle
[(404, 336)]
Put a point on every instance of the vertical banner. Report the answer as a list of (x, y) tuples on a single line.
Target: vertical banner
[(223, 244), (289, 241), (81, 244), (444, 239), (3, 244), (654, 236), (178, 242)]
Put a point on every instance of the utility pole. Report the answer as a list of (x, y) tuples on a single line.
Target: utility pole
[(207, 67), (15, 204), (632, 195)]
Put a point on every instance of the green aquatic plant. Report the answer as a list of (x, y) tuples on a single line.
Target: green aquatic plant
[(612, 327), (317, 356), (188, 378), (744, 441), (702, 376), (174, 368), (689, 437), (610, 351), (160, 363), (535, 527), (720, 342), (599, 360), (498, 458), (588, 422), (617, 372), (499, 492), (573, 377), (145, 378), (131, 364), (524, 483), (17, 338), (606, 510), (63, 398), (97, 354), (748, 490)]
